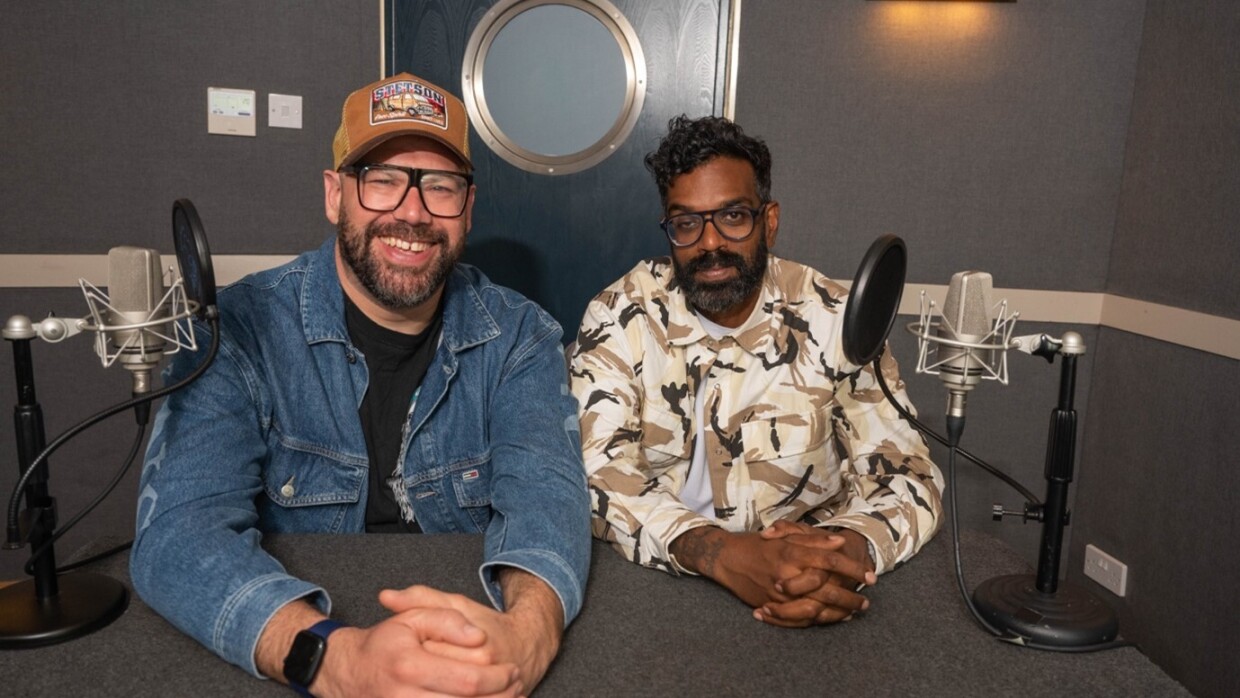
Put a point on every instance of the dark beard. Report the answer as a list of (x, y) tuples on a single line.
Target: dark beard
[(724, 295), (396, 289)]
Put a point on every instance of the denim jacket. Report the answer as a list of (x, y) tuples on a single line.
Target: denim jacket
[(269, 440)]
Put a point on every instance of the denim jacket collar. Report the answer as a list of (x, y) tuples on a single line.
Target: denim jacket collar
[(466, 320)]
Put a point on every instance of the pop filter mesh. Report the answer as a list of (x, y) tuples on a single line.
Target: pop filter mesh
[(874, 299), (193, 255)]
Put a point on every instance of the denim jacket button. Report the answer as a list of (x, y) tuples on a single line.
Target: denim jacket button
[(351, 357), (287, 491)]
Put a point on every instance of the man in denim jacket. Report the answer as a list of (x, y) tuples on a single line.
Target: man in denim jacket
[(374, 384)]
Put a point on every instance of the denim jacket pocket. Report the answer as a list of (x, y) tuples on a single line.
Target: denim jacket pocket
[(304, 481), (471, 482)]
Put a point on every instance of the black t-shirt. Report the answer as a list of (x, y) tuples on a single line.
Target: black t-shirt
[(397, 362)]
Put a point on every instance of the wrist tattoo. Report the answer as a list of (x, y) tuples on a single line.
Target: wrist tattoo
[(698, 549)]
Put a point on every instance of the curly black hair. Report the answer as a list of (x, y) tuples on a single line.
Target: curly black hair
[(693, 142)]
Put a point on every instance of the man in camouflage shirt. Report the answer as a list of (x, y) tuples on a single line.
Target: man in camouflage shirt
[(724, 432)]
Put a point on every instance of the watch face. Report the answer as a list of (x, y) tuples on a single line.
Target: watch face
[(302, 662)]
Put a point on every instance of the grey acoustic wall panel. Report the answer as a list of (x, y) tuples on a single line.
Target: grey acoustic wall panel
[(105, 120), (1160, 495), (989, 136), (104, 107), (1177, 238)]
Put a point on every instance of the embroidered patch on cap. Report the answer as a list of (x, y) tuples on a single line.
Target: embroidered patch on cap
[(469, 475), (408, 100)]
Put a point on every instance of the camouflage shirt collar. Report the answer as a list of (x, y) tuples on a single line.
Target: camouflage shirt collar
[(756, 335)]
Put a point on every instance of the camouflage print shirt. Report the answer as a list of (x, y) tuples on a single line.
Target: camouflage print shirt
[(794, 431)]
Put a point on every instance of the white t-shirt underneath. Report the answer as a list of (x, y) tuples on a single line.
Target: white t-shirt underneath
[(697, 493)]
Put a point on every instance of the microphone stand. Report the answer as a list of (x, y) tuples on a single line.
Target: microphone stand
[(47, 609), (1042, 609)]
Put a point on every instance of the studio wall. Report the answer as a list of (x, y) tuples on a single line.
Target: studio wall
[(1164, 434), (1176, 239), (1061, 145), (104, 109), (988, 137), (1162, 443), (105, 120)]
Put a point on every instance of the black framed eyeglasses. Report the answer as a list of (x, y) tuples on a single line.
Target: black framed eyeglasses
[(735, 223), (382, 188)]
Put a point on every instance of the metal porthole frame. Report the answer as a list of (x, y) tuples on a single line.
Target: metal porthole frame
[(473, 87)]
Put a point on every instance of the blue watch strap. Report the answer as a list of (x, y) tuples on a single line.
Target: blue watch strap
[(322, 628), (325, 627)]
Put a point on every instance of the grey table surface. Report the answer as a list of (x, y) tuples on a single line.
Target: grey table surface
[(641, 633)]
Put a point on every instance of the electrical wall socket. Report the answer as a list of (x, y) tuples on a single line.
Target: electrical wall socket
[(1106, 570), (283, 111)]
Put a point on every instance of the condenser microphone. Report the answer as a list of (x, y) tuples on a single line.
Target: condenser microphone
[(966, 320), (136, 324), (138, 320), (968, 343), (136, 298)]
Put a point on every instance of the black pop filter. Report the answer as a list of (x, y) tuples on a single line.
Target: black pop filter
[(193, 255), (874, 299)]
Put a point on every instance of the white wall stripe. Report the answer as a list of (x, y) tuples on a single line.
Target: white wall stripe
[(1217, 335), (64, 270), (1074, 307), (1210, 333)]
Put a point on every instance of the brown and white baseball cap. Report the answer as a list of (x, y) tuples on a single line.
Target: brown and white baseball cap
[(400, 105)]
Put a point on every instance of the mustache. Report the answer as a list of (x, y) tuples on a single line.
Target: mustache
[(405, 231), (715, 258)]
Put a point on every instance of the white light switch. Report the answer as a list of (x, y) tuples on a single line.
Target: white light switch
[(283, 111), (230, 112)]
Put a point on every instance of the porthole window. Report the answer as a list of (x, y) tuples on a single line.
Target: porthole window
[(554, 86)]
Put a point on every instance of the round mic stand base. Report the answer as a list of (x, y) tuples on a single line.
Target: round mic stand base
[(1070, 616), (49, 608), (85, 603), (1041, 609)]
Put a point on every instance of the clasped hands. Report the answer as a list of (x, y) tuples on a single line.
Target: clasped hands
[(791, 574), (438, 644)]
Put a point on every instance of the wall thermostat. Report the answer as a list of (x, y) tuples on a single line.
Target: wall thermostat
[(230, 112)]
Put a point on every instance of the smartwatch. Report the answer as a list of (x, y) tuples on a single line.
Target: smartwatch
[(305, 657)]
